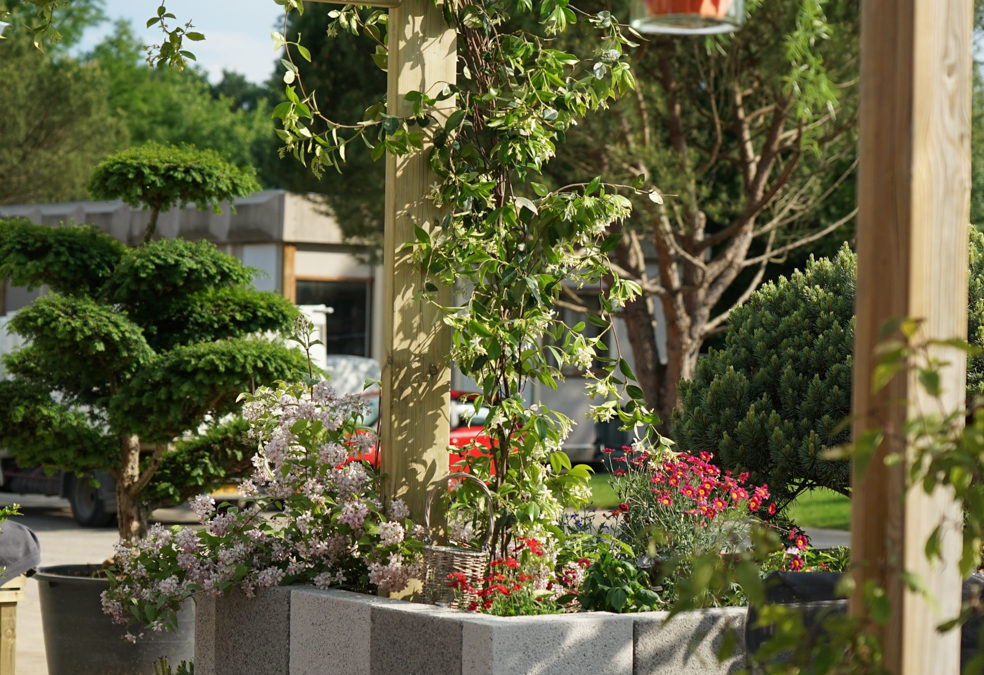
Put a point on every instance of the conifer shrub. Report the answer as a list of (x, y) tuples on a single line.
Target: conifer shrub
[(778, 393)]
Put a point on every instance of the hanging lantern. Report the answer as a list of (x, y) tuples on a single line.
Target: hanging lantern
[(687, 17)]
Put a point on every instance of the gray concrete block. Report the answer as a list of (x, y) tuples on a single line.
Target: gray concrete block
[(204, 633), (689, 642), (330, 631), (597, 643), (236, 635), (413, 639)]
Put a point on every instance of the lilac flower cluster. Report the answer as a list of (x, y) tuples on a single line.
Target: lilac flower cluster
[(314, 516)]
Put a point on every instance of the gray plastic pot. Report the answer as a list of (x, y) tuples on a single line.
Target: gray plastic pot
[(80, 640)]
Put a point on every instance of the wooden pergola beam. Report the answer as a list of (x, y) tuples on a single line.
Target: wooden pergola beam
[(913, 199)]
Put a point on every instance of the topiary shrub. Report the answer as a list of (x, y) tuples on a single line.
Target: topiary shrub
[(779, 391)]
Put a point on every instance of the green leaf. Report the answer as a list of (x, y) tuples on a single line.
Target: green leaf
[(610, 243), (454, 120), (930, 380)]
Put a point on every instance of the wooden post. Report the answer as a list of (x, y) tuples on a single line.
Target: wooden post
[(913, 198), (288, 279), (11, 593), (416, 374)]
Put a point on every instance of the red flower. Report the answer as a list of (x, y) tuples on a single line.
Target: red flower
[(512, 563), (772, 509), (618, 473)]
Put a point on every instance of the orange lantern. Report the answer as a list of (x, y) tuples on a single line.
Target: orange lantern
[(687, 17)]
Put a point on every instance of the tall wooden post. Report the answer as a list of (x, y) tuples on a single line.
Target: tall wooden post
[(913, 198), (416, 373)]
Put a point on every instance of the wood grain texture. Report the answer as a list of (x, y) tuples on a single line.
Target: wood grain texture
[(416, 374), (913, 199), (288, 278)]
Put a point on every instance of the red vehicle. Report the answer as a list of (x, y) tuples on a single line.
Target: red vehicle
[(467, 426)]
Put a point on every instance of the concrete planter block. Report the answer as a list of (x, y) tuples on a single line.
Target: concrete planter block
[(597, 643), (688, 643), (304, 631), (331, 631), (408, 637), (236, 635)]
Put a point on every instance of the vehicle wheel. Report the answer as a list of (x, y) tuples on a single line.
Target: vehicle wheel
[(88, 508)]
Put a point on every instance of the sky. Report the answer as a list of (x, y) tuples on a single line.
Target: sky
[(237, 32)]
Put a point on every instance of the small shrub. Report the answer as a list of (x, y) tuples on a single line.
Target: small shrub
[(778, 393)]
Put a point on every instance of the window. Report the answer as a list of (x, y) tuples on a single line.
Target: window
[(348, 312)]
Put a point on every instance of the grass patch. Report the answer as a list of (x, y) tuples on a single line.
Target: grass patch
[(602, 494), (821, 508)]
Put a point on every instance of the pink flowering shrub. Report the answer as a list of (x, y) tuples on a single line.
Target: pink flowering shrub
[(315, 516)]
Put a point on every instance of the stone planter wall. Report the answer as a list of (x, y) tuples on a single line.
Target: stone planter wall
[(301, 630)]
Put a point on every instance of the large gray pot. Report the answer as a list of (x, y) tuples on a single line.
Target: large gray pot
[(80, 640)]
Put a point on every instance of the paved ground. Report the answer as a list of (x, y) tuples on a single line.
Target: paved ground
[(63, 542)]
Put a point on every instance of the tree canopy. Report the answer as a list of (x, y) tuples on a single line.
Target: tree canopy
[(745, 136), (158, 177), (104, 101)]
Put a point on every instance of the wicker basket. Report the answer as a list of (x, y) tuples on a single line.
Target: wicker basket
[(441, 561)]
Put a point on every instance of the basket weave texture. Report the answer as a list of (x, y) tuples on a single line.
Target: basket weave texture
[(442, 561)]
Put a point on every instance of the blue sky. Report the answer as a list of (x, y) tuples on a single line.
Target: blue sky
[(237, 32)]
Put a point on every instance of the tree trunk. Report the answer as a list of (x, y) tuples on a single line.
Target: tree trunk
[(151, 224), (132, 515)]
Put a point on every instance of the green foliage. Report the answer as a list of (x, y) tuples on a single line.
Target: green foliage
[(56, 124), (506, 244), (343, 79), (772, 398), (197, 463), (103, 364), (613, 584), (31, 257), (159, 177), (45, 432), (175, 107), (705, 129), (778, 392)]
